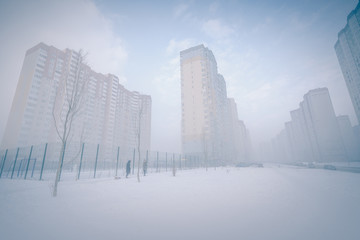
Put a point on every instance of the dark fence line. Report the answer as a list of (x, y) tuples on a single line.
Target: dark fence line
[(86, 160)]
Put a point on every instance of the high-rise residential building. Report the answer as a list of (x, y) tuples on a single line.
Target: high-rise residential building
[(322, 125), (209, 118), (108, 115), (315, 133), (280, 148), (349, 138), (298, 136), (237, 134), (347, 50)]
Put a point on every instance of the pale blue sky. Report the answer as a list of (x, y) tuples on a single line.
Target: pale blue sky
[(270, 52)]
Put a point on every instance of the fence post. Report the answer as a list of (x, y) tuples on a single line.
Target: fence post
[(3, 163), (117, 161), (185, 158), (12, 173), (190, 163), (133, 162), (43, 162), (166, 162), (157, 161), (81, 158), (28, 163), (97, 153), (32, 173), (180, 161), (18, 173), (174, 166)]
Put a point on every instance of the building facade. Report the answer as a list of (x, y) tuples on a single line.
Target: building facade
[(108, 115), (237, 134), (315, 133), (347, 50), (322, 126), (210, 125)]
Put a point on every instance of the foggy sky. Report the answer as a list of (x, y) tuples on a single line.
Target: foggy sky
[(270, 52)]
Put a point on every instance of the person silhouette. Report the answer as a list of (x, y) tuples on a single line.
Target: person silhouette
[(128, 168)]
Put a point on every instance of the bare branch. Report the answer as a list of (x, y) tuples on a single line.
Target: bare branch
[(73, 90), (53, 112)]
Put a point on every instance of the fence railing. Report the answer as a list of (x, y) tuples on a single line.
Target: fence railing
[(86, 160)]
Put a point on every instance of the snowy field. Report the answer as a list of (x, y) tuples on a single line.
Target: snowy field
[(228, 203)]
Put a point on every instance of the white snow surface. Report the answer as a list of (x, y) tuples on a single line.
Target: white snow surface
[(273, 202)]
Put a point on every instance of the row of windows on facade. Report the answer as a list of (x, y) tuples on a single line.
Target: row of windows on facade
[(93, 85)]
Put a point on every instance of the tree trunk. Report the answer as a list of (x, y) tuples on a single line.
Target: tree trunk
[(138, 170), (58, 170)]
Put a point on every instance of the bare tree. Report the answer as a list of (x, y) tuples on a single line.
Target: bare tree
[(71, 90), (139, 116)]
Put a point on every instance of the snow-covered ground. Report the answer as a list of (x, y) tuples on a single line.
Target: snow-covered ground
[(274, 202)]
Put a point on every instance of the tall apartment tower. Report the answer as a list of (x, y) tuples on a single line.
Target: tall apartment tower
[(322, 124), (107, 116), (347, 50), (206, 115), (238, 135), (315, 133)]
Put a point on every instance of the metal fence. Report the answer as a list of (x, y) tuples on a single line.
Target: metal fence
[(86, 160)]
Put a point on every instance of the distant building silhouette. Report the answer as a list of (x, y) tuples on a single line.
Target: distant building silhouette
[(315, 134)]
